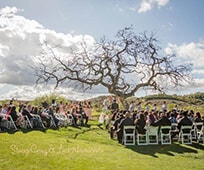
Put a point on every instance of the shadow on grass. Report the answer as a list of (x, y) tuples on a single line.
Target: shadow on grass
[(198, 146), (26, 130), (170, 150), (83, 131)]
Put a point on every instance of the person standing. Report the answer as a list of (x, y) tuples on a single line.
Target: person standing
[(114, 105), (61, 107), (154, 107), (105, 104), (164, 107), (132, 106), (139, 107), (89, 109)]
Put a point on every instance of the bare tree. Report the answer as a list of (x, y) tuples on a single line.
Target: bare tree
[(123, 66)]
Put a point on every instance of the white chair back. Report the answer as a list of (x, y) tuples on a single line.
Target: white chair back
[(129, 135)]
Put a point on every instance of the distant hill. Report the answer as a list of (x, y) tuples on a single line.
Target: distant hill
[(192, 99), (195, 99)]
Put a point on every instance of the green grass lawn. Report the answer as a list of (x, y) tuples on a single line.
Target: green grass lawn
[(90, 148)]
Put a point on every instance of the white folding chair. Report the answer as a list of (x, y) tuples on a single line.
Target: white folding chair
[(201, 134), (39, 120), (197, 127), (26, 123), (4, 121), (64, 118), (129, 135), (63, 121), (165, 134), (193, 132), (70, 119), (185, 135), (11, 123), (175, 131), (142, 139), (52, 122), (152, 135)]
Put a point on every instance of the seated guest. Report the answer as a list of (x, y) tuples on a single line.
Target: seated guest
[(26, 111), (202, 118), (184, 121), (18, 119), (172, 118), (4, 109), (74, 115), (151, 118), (116, 123), (3, 119), (140, 124), (163, 121), (190, 115), (45, 117), (50, 111), (84, 116), (127, 121), (197, 117)]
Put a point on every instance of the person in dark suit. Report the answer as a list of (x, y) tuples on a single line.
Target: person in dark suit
[(127, 121), (184, 121), (114, 105), (140, 124), (26, 111), (198, 119), (116, 123), (163, 121)]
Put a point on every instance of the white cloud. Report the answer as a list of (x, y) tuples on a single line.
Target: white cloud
[(9, 10), (193, 53), (20, 42), (147, 5), (31, 92), (162, 2)]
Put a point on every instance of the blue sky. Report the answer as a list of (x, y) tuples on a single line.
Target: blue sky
[(178, 25)]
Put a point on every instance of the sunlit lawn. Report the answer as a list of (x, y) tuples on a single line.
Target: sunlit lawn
[(90, 148)]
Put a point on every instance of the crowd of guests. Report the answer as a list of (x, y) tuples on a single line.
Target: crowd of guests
[(46, 114), (136, 115)]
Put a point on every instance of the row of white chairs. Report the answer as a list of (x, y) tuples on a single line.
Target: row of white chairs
[(9, 123), (152, 137), (27, 123), (68, 120)]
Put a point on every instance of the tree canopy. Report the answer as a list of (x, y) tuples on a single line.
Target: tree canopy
[(122, 65)]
